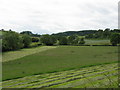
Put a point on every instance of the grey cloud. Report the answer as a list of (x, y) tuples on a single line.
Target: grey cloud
[(51, 16)]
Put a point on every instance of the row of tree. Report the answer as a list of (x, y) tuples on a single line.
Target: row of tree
[(106, 34), (13, 41), (91, 34), (61, 40)]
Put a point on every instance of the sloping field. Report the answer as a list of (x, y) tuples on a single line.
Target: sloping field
[(59, 59), (12, 55), (100, 76)]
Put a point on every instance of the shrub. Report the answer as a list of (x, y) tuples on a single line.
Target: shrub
[(11, 41), (81, 42), (35, 39), (115, 39), (48, 39), (26, 40), (63, 41)]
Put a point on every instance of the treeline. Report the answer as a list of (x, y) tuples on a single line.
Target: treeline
[(91, 34), (13, 41), (102, 34), (61, 40), (30, 34)]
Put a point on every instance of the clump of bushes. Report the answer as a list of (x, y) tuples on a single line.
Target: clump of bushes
[(81, 41), (48, 40), (26, 40), (11, 41), (115, 39), (63, 40), (75, 40), (35, 39), (14, 41)]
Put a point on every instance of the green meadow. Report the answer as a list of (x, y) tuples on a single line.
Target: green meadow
[(58, 58), (100, 76), (13, 55), (97, 42)]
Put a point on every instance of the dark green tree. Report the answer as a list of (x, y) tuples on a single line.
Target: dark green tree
[(81, 42), (26, 40), (89, 36), (106, 33), (27, 32), (35, 39), (71, 39), (115, 39), (63, 40), (11, 41), (48, 39)]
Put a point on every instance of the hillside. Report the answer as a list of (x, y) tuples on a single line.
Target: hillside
[(80, 33), (90, 33)]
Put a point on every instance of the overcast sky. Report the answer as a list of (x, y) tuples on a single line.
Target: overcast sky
[(53, 16)]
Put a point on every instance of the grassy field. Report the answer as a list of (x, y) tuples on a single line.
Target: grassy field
[(12, 55), (100, 76), (97, 42), (59, 59)]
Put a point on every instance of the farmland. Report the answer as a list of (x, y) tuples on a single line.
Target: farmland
[(97, 42), (57, 44), (61, 58), (12, 55), (100, 76)]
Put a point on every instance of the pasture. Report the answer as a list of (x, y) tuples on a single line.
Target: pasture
[(12, 55), (100, 76), (57, 59), (97, 42)]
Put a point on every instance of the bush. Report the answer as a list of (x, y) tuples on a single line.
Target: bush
[(11, 41), (63, 41), (48, 39), (35, 39), (71, 39), (81, 42), (26, 40), (115, 39)]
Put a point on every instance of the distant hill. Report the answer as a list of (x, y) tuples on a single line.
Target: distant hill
[(90, 33), (80, 33)]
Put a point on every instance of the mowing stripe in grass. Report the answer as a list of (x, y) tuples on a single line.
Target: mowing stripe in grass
[(58, 82), (74, 74), (71, 71), (46, 83), (78, 80), (88, 85)]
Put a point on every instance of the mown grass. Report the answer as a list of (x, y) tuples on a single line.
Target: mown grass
[(59, 59), (12, 55), (93, 77)]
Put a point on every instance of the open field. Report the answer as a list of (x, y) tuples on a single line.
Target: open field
[(12, 55), (97, 42), (100, 76), (59, 59)]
